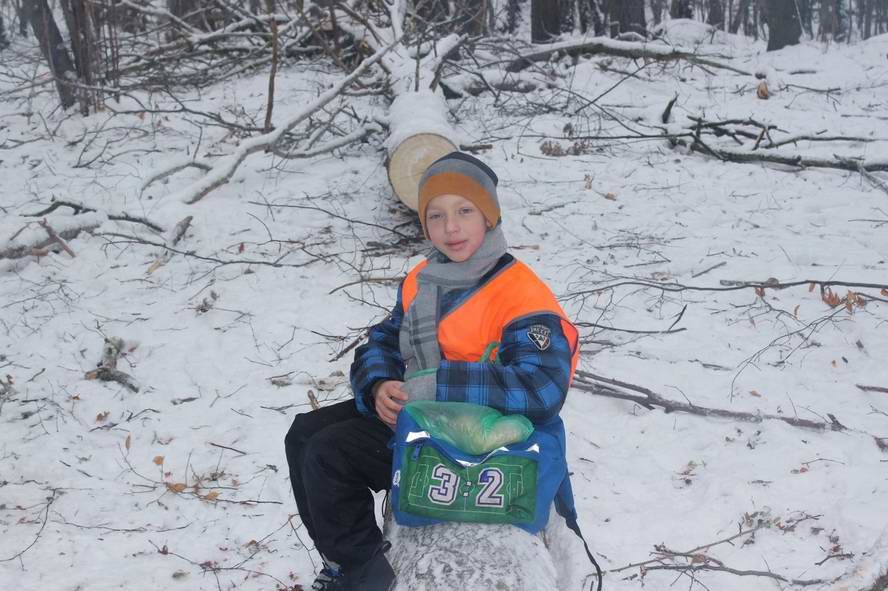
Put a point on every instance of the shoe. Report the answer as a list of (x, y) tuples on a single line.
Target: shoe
[(329, 579)]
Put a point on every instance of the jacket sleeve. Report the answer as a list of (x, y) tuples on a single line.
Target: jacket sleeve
[(378, 359), (530, 379)]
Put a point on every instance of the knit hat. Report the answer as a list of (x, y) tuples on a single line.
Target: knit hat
[(464, 175)]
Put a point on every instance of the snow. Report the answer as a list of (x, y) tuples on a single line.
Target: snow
[(97, 494)]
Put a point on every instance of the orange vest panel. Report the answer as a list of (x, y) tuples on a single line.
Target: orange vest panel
[(515, 292)]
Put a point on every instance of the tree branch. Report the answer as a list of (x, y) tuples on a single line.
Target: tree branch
[(593, 383)]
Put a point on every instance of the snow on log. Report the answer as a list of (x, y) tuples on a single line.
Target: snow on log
[(469, 556)]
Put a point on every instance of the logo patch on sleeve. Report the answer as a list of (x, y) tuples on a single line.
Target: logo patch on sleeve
[(539, 336)]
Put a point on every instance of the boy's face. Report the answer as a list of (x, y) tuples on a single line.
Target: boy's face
[(456, 226)]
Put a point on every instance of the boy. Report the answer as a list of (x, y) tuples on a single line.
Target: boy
[(468, 299)]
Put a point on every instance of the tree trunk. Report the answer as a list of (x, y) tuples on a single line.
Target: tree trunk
[(783, 24), (805, 14), (716, 16), (742, 16), (867, 19), (545, 20), (474, 17), (513, 15), (473, 556), (658, 7), (22, 18), (82, 29), (53, 47), (681, 9), (832, 20), (591, 17), (4, 42), (567, 9), (629, 14), (432, 11)]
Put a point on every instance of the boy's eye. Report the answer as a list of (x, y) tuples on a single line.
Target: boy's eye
[(434, 216), (466, 210)]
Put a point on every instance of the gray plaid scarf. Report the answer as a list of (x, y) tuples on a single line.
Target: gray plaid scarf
[(418, 338)]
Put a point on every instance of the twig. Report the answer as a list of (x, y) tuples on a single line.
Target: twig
[(693, 568), (872, 388), (243, 453), (872, 178), (695, 550), (49, 503), (627, 330), (712, 268), (334, 215)]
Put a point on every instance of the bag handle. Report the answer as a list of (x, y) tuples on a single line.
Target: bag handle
[(575, 528)]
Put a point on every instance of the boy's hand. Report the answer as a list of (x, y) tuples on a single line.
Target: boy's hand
[(389, 398)]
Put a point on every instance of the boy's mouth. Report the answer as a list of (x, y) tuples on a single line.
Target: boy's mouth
[(455, 245)]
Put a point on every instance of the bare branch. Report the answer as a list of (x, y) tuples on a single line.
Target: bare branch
[(608, 387)]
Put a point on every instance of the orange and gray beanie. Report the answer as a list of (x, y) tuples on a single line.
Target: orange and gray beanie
[(464, 175)]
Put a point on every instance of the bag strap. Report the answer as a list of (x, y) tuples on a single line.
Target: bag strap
[(575, 528)]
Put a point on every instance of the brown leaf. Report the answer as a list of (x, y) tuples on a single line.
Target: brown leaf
[(158, 460), (760, 292), (884, 292), (128, 442), (240, 248), (755, 393), (212, 496), (811, 286), (796, 311), (834, 364), (102, 416), (177, 488), (610, 196), (761, 90)]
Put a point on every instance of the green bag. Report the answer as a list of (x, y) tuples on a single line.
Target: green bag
[(456, 467)]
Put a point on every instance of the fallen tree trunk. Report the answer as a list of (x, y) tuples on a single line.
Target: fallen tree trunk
[(469, 556), (798, 161), (608, 46)]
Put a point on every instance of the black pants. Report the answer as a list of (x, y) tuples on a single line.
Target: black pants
[(335, 456)]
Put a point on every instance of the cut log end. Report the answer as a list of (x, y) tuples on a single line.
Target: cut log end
[(410, 160)]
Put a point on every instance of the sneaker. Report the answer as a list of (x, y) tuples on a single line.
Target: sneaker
[(329, 579)]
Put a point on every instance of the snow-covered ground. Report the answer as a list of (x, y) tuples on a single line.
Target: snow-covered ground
[(183, 484)]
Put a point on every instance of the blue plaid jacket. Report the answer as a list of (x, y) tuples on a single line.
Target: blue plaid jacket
[(527, 380)]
